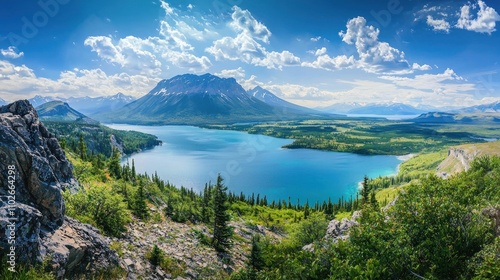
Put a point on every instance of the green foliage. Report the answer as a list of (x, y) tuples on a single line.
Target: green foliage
[(170, 265), (114, 166), (100, 207), (436, 230), (310, 230), (97, 138), (222, 231), (202, 237), (23, 272), (486, 263), (141, 208)]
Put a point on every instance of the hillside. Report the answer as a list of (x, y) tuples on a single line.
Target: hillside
[(61, 112), (460, 157)]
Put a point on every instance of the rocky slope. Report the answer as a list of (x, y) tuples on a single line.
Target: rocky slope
[(33, 173), (460, 157)]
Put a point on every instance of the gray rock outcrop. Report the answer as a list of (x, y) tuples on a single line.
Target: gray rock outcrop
[(33, 173), (339, 230)]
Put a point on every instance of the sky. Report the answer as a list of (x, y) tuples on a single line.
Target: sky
[(312, 53)]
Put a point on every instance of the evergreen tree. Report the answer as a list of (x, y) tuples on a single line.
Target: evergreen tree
[(306, 210), (255, 260), (133, 169), (82, 148), (141, 207), (114, 164), (222, 231), (365, 191)]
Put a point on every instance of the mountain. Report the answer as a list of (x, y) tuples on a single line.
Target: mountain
[(193, 99), (2, 102), (387, 109), (441, 117), (269, 98), (61, 111), (95, 105), (341, 108), (485, 108), (39, 100), (88, 105)]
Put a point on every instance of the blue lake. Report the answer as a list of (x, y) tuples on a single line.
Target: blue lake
[(192, 156)]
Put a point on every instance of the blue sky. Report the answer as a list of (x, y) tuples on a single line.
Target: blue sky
[(313, 53)]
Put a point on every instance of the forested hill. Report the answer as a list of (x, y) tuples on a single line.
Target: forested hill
[(100, 139)]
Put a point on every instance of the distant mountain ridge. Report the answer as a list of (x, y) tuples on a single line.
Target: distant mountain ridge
[(484, 108), (387, 109), (200, 99), (88, 105), (268, 97), (373, 108), (61, 112)]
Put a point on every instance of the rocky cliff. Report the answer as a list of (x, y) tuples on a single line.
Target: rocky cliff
[(33, 173), (460, 157)]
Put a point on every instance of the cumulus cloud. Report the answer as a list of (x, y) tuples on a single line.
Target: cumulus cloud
[(238, 73), (20, 81), (484, 22), (324, 61), (447, 82), (316, 39), (246, 46), (11, 52), (438, 24), (424, 67), (153, 55), (244, 22), (374, 56)]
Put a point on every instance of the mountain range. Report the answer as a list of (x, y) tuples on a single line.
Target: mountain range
[(205, 99), (61, 112), (485, 108), (88, 105), (374, 109)]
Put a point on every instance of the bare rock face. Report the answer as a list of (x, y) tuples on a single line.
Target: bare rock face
[(339, 230), (33, 173), (38, 163)]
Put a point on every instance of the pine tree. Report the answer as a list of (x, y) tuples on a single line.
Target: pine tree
[(114, 164), (306, 210), (141, 207), (82, 147), (222, 231), (255, 260), (365, 191)]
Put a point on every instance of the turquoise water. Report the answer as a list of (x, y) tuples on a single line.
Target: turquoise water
[(192, 156)]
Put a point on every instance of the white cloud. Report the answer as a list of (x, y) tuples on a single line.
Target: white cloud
[(374, 56), (153, 55), (244, 22), (316, 39), (11, 52), (238, 73), (438, 24), (190, 6), (175, 38), (326, 62), (320, 52), (446, 83), (424, 67), (245, 46), (485, 21), (167, 8), (19, 82)]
